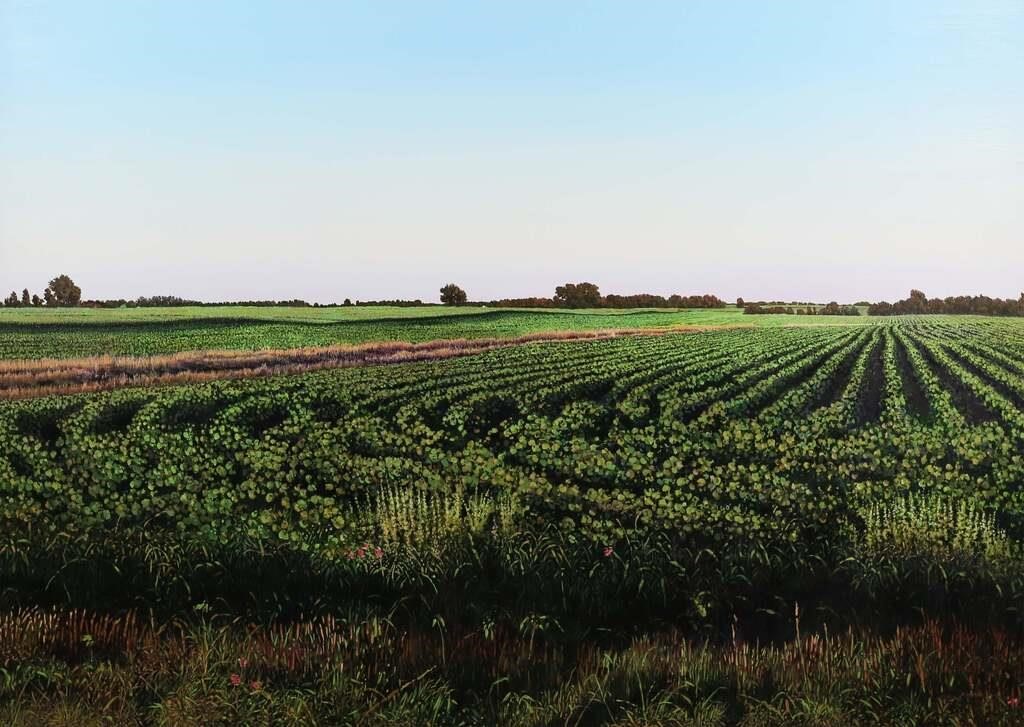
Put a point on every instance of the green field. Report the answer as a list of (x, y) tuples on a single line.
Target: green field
[(63, 333), (504, 519), (260, 313), (737, 430)]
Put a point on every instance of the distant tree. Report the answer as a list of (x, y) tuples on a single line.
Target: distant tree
[(577, 295), (740, 302), (918, 302), (348, 301), (452, 294), (62, 292), (11, 301), (36, 301), (26, 299)]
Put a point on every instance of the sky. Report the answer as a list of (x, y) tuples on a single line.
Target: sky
[(249, 150)]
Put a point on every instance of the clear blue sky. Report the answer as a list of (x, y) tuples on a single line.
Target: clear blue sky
[(808, 150)]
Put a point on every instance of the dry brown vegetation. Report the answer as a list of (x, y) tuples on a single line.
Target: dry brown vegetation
[(26, 378)]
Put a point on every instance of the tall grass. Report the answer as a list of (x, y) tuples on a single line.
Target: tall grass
[(457, 607), (942, 530), (412, 521), (924, 551), (128, 671)]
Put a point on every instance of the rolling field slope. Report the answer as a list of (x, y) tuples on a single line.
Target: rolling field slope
[(69, 333)]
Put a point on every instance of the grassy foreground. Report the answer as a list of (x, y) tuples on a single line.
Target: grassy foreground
[(447, 610)]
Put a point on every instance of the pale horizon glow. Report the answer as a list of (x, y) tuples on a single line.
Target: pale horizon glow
[(250, 150)]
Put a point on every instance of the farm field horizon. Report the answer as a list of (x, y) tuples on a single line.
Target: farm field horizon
[(69, 333)]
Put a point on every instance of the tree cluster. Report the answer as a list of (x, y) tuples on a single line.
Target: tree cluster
[(577, 295), (173, 301), (588, 295), (392, 303), (25, 301), (522, 303), (829, 309), (920, 304), (741, 303), (60, 293), (646, 300)]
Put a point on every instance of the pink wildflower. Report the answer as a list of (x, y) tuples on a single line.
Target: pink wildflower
[(242, 662), (607, 551), (1013, 702), (360, 552), (256, 686), (378, 552), (236, 680)]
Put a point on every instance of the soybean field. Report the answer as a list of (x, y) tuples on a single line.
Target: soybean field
[(724, 432)]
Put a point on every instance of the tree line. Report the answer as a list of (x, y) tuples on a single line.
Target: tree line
[(920, 304), (62, 292), (588, 295), (799, 309)]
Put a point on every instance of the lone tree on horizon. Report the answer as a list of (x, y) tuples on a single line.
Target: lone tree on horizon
[(452, 294), (62, 292)]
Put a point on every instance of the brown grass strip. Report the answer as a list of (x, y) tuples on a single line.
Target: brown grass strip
[(28, 378)]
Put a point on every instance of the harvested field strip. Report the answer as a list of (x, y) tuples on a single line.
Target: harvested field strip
[(43, 377)]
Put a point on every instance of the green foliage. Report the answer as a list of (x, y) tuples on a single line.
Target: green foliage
[(936, 529), (536, 508), (72, 332), (416, 521), (578, 295), (452, 294), (62, 292), (733, 434)]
